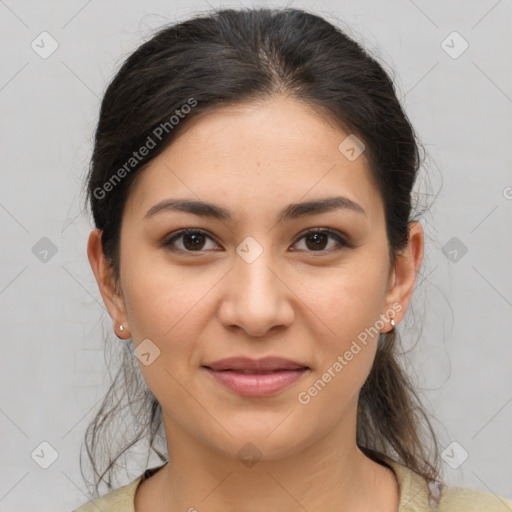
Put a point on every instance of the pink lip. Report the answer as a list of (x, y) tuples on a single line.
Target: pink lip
[(251, 377)]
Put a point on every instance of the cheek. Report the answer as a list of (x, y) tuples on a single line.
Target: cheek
[(345, 309), (167, 306), (344, 350), (346, 300), (160, 296)]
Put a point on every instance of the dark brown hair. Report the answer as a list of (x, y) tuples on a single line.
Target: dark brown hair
[(237, 56)]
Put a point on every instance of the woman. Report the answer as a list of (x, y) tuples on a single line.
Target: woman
[(251, 190)]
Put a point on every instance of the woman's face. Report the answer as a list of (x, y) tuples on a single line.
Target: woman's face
[(252, 283)]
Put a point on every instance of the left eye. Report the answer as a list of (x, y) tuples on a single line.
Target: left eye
[(319, 239), (193, 240)]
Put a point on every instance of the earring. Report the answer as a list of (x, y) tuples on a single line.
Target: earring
[(121, 330), (392, 322)]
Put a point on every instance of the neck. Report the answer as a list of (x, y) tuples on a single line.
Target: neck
[(330, 472)]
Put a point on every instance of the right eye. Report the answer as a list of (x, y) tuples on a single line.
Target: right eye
[(190, 240)]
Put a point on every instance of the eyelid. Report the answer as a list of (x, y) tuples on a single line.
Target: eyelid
[(167, 242), (340, 238)]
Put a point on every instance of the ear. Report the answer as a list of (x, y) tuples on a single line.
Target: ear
[(404, 273), (104, 274)]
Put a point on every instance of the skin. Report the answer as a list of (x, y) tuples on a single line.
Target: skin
[(293, 301)]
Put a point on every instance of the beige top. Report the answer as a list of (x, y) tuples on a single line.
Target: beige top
[(416, 495)]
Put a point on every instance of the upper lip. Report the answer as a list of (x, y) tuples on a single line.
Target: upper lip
[(263, 364)]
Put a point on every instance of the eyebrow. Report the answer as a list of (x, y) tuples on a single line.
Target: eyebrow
[(292, 211)]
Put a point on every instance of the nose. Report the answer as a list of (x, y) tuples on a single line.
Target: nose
[(256, 296)]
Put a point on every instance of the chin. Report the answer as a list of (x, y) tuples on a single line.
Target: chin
[(253, 444)]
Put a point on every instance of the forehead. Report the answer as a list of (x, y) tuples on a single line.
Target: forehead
[(257, 155)]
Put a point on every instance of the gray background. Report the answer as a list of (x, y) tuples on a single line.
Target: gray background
[(52, 365)]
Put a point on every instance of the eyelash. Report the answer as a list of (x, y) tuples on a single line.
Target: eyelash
[(342, 242)]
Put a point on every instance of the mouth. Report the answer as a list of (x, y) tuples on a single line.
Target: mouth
[(249, 377), (256, 372), (264, 365)]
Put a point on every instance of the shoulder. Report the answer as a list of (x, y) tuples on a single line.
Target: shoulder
[(454, 499), (118, 500), (418, 495), (121, 499)]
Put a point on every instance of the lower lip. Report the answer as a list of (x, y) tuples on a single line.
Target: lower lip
[(256, 384)]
